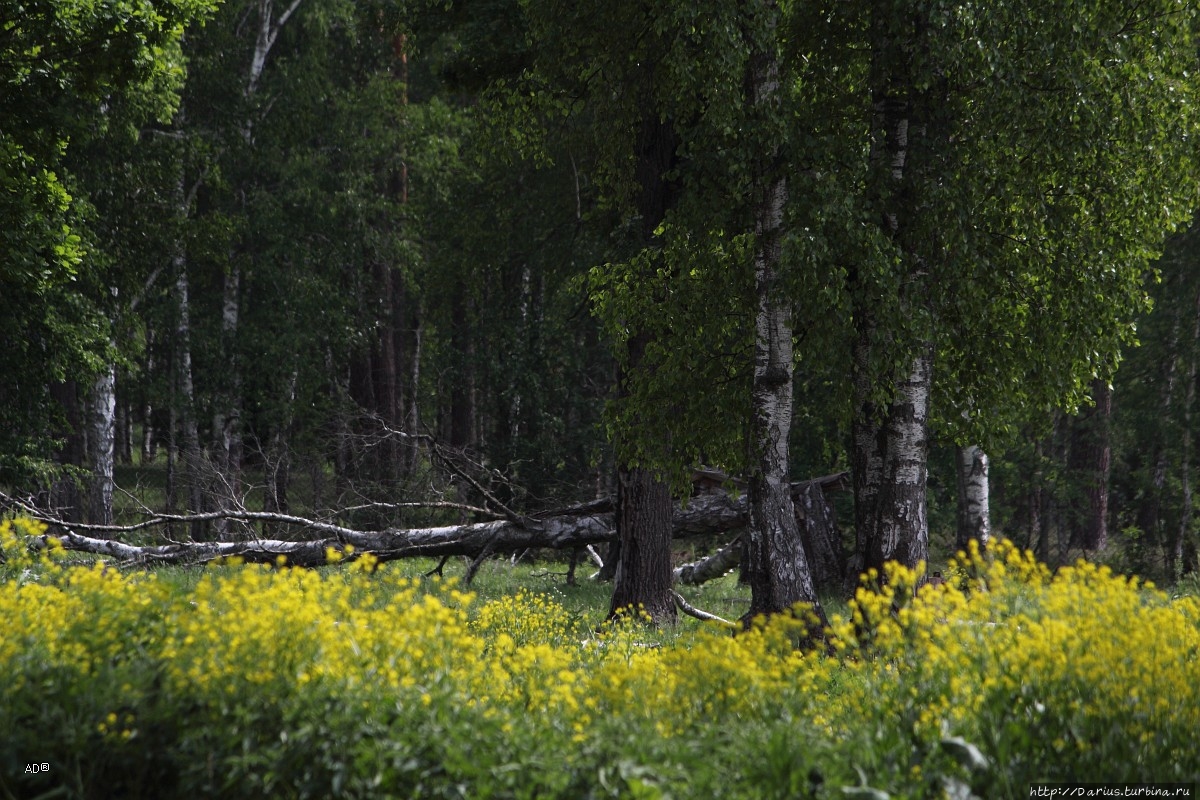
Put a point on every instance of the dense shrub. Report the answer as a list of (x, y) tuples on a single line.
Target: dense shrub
[(279, 682)]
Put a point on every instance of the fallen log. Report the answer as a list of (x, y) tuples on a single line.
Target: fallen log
[(705, 515), (710, 568), (712, 512)]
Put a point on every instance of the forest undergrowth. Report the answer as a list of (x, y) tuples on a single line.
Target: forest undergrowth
[(369, 681)]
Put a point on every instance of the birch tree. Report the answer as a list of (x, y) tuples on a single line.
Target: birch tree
[(778, 567), (60, 67), (703, 308), (1019, 167), (974, 513)]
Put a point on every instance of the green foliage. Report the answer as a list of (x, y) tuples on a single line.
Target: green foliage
[(63, 67), (259, 682), (1050, 151), (692, 384)]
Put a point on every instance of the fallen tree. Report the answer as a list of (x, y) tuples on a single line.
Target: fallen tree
[(712, 511)]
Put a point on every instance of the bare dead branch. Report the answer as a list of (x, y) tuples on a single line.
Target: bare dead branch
[(704, 616), (712, 513), (445, 504)]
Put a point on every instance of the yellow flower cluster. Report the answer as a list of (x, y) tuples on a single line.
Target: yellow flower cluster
[(1003, 642), (1074, 655)]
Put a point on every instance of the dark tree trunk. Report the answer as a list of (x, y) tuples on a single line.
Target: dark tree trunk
[(1181, 551), (643, 576), (387, 372), (643, 520), (1149, 513), (124, 422), (1057, 508), (460, 430), (63, 497), (1089, 461), (822, 540), (412, 406), (1038, 528)]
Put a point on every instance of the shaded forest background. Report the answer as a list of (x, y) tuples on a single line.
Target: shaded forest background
[(371, 264)]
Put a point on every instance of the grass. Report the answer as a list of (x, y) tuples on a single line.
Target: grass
[(249, 681)]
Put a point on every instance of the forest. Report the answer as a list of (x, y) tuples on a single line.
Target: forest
[(314, 271), (852, 345)]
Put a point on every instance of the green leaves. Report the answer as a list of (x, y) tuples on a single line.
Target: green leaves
[(690, 302), (65, 69), (1049, 151)]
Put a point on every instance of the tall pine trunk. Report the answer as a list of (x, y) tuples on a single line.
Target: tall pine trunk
[(643, 573)]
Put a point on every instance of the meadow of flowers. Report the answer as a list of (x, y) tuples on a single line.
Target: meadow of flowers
[(253, 681)]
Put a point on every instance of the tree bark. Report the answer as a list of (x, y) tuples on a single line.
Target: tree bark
[(643, 574), (124, 422), (890, 471), (62, 496), (224, 465), (1181, 552), (412, 417), (102, 413), (710, 568), (643, 521), (890, 428), (1089, 462), (820, 535), (974, 518), (277, 462), (777, 566), (225, 489), (185, 395), (149, 443)]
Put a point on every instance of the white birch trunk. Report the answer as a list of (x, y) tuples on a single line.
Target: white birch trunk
[(268, 32), (183, 349), (705, 516), (226, 416), (890, 432), (226, 487), (777, 569), (226, 459), (903, 532), (974, 518), (102, 410)]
